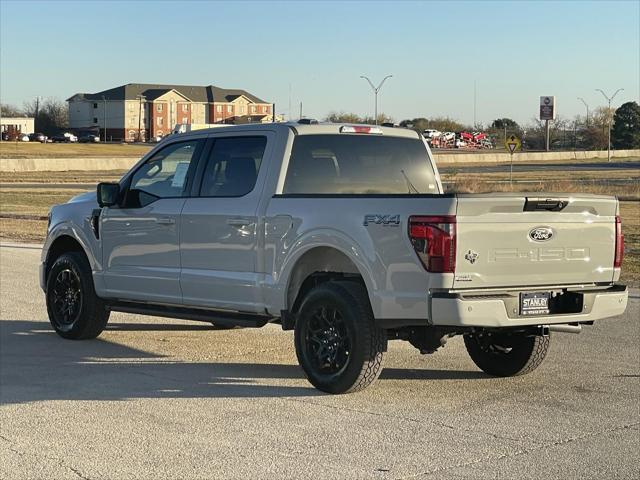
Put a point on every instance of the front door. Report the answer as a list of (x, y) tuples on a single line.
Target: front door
[(141, 238), (219, 227)]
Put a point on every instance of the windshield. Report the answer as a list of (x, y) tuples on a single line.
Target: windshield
[(360, 164)]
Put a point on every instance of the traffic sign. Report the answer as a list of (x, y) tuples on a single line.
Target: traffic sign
[(548, 108), (512, 143)]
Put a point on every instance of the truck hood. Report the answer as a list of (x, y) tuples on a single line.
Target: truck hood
[(84, 197)]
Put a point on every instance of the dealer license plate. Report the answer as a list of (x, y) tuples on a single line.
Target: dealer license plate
[(534, 303)]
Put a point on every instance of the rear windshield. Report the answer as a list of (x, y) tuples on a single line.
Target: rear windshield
[(361, 164)]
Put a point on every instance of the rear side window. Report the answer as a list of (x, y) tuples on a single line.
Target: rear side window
[(232, 167), (360, 164)]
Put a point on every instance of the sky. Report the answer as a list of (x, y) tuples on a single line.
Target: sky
[(315, 52)]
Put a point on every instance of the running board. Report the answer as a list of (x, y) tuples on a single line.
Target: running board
[(226, 318)]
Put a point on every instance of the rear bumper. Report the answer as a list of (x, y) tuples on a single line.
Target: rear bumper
[(491, 311)]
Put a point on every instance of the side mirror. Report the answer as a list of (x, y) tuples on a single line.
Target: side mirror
[(108, 194)]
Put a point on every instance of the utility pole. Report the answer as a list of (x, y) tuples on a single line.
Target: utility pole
[(301, 109), (375, 92), (609, 99), (587, 106), (140, 97), (475, 98), (104, 103)]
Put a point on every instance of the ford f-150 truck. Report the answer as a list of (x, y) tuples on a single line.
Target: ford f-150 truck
[(342, 233)]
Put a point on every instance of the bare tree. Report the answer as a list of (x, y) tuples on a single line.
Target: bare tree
[(7, 110)]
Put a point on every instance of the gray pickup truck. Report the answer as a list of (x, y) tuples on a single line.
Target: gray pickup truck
[(342, 233)]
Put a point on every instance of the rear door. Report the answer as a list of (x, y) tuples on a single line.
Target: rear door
[(140, 238), (218, 245), (512, 240)]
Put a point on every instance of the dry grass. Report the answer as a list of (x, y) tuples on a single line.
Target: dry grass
[(62, 150), (38, 202), (32, 201), (72, 176), (23, 230), (568, 186), (630, 213)]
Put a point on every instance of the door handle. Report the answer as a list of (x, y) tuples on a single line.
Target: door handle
[(165, 221), (239, 222)]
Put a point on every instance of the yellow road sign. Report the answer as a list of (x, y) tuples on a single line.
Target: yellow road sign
[(512, 143)]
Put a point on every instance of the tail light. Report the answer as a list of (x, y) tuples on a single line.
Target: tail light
[(434, 240), (619, 253)]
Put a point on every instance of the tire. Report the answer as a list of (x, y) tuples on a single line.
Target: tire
[(338, 344), (74, 309), (507, 355)]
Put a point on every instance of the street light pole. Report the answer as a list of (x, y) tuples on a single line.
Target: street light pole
[(587, 106), (375, 92), (609, 99)]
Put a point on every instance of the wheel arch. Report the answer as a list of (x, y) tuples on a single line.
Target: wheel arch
[(62, 244), (318, 265)]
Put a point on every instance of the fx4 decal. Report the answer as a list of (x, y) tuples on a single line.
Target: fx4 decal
[(384, 220)]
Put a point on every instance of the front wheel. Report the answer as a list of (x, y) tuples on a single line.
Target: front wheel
[(507, 354), (338, 344), (74, 309)]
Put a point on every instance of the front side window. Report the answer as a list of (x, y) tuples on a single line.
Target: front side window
[(159, 107), (359, 164), (233, 165), (163, 176)]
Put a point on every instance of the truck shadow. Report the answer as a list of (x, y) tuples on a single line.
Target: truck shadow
[(37, 365)]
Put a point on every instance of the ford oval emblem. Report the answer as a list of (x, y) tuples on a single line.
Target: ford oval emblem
[(541, 234)]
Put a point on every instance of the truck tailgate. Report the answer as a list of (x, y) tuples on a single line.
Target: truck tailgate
[(513, 240)]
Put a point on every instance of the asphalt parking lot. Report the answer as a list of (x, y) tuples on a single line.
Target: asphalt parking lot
[(157, 398)]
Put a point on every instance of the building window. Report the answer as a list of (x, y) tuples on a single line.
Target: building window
[(95, 105), (219, 109), (253, 109), (229, 109), (241, 109), (265, 109), (95, 120), (159, 107), (185, 107), (130, 105), (160, 121), (132, 121), (185, 120)]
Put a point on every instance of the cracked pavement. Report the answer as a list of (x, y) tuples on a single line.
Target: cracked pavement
[(168, 399)]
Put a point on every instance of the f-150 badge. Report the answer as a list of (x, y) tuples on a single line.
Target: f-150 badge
[(471, 257), (384, 220)]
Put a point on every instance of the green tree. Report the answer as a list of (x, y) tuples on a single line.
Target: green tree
[(501, 123), (626, 126)]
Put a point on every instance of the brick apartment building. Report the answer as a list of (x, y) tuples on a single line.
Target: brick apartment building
[(138, 111)]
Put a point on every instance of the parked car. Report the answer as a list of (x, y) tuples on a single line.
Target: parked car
[(341, 233), (89, 138), (38, 137), (23, 137), (65, 137)]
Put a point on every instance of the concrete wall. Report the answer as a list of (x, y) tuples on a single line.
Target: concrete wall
[(124, 163), (65, 164), (488, 157)]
